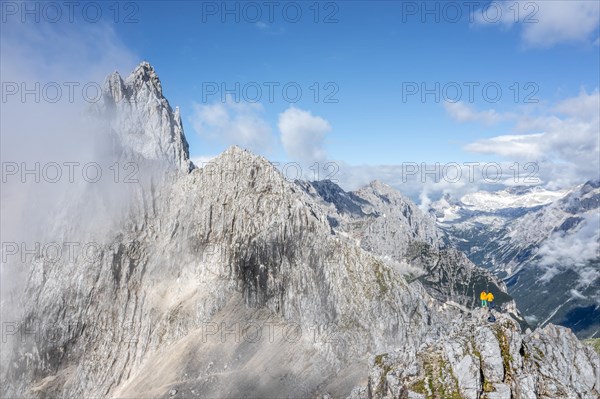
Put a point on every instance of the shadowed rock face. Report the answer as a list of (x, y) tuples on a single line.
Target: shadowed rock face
[(229, 281)]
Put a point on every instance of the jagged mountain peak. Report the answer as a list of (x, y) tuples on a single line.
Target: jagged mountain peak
[(236, 150), (327, 187), (145, 68), (145, 74), (142, 78), (384, 193), (242, 158), (380, 186), (142, 119), (590, 185)]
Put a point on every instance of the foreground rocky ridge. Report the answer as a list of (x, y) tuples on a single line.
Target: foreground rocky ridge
[(475, 360), (228, 281)]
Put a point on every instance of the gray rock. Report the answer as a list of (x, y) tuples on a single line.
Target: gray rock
[(491, 356)]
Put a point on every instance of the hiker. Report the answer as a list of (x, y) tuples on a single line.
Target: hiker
[(490, 299), (483, 297)]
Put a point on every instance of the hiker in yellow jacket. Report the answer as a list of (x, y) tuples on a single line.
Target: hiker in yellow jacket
[(483, 297), (490, 298)]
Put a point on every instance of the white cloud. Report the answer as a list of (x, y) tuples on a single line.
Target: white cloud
[(587, 276), (269, 28), (576, 294), (53, 52), (426, 182), (559, 148), (531, 319), (231, 122), (584, 106), (573, 249), (57, 131), (404, 268), (461, 112), (303, 134), (523, 146), (201, 160), (545, 23), (565, 141), (549, 273), (425, 201)]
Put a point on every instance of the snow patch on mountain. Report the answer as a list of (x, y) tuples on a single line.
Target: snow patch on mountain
[(511, 198)]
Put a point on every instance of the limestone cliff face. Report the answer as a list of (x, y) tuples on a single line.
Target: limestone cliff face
[(228, 281), (384, 222)]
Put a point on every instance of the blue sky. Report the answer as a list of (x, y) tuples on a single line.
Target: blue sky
[(369, 54)]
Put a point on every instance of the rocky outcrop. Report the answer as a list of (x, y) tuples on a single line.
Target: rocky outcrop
[(479, 360)]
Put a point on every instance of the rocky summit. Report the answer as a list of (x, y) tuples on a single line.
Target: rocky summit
[(229, 280)]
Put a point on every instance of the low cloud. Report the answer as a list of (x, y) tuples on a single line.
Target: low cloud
[(577, 295), (38, 131), (573, 249), (557, 148), (426, 182), (583, 107), (565, 139)]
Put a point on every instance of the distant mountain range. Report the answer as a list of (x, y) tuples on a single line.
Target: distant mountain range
[(543, 244)]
